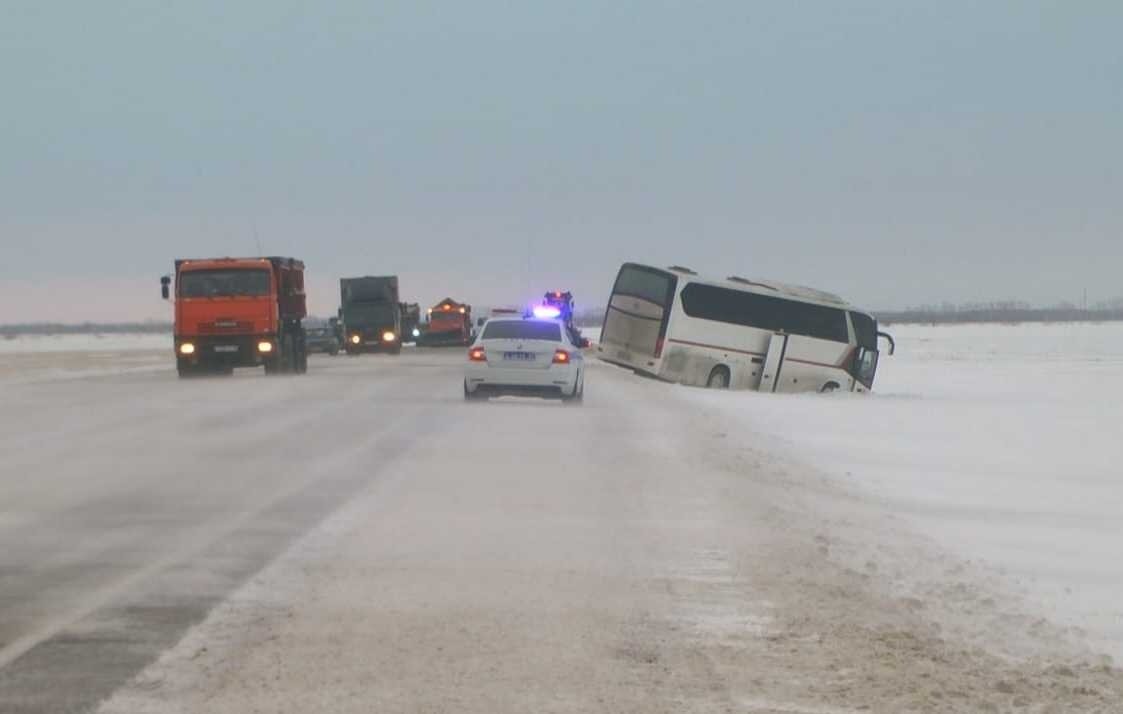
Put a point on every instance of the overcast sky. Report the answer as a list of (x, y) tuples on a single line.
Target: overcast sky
[(894, 152)]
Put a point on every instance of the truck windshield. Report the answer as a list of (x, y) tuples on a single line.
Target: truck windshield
[(223, 283)]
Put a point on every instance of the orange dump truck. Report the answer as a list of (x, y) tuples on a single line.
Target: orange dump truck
[(450, 323), (239, 312)]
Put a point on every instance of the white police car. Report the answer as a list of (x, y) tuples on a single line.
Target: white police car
[(528, 357)]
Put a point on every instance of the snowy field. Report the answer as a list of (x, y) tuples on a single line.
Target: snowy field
[(999, 443), (37, 358), (85, 343)]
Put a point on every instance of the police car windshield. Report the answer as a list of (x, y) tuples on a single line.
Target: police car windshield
[(522, 330)]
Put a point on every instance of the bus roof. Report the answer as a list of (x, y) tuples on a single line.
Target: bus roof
[(766, 287)]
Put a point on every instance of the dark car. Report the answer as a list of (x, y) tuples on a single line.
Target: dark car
[(323, 339)]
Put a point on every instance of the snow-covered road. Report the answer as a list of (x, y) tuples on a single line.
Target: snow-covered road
[(359, 539)]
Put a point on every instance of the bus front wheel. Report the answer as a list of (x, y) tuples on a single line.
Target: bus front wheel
[(719, 378)]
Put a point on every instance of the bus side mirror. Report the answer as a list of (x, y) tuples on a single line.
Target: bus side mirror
[(165, 282), (890, 340)]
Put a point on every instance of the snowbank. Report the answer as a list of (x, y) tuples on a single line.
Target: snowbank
[(85, 343), (1000, 442), (39, 358)]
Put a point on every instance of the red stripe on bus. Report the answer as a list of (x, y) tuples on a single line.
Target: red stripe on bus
[(816, 364), (760, 354), (716, 347)]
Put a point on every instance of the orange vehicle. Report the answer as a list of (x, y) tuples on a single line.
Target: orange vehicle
[(238, 312), (450, 323)]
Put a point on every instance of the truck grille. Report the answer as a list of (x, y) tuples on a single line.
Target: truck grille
[(224, 327)]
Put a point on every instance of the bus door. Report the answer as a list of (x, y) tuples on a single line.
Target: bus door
[(773, 362)]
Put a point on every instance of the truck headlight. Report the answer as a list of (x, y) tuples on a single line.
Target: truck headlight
[(264, 346), (389, 336), (187, 348), (355, 339)]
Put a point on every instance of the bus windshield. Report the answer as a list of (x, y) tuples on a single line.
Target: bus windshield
[(865, 330), (224, 283)]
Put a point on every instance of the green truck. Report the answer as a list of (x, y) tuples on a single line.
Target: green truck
[(371, 314)]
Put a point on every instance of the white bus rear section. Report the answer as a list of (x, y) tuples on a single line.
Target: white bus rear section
[(634, 325)]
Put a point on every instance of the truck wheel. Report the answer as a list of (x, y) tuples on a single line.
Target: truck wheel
[(288, 354), (281, 363), (301, 358)]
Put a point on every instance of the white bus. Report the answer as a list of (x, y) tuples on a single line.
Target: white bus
[(737, 333)]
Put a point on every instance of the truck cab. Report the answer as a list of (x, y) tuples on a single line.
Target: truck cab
[(238, 312), (371, 314), (450, 323)]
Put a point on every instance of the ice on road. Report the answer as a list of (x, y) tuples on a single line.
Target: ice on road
[(359, 539)]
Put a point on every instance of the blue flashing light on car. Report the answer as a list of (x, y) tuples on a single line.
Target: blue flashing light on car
[(546, 312)]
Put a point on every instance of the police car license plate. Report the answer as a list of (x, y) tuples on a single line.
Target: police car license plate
[(519, 356), (226, 348)]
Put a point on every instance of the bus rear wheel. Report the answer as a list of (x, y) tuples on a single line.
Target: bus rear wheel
[(719, 378)]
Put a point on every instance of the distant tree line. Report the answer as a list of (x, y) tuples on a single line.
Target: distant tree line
[(86, 328), (1004, 311)]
